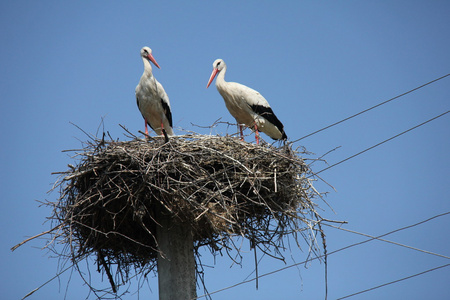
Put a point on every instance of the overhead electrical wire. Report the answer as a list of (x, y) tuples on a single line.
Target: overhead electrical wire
[(376, 145), (370, 108), (339, 250), (394, 281), (395, 243)]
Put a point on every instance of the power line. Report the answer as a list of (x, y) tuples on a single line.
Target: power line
[(395, 281), (395, 243), (48, 281), (370, 108), (391, 138), (332, 252)]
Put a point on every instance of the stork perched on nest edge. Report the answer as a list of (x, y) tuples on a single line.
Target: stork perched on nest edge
[(152, 100), (246, 105)]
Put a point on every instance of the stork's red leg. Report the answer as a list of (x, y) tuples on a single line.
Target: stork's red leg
[(256, 134), (146, 129)]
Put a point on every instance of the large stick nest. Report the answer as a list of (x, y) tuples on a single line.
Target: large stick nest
[(219, 186)]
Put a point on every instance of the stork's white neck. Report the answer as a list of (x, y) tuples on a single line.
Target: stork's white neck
[(147, 67), (220, 80)]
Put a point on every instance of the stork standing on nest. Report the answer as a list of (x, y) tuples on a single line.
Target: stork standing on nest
[(246, 105), (152, 100)]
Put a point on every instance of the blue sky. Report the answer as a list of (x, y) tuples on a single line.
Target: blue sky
[(316, 63)]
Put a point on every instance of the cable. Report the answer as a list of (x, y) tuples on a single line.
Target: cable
[(395, 281), (395, 243), (391, 138), (370, 108), (48, 281), (318, 257), (391, 242)]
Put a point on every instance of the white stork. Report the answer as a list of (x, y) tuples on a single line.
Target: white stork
[(246, 105), (152, 100)]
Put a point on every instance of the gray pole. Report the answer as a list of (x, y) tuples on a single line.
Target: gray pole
[(176, 262)]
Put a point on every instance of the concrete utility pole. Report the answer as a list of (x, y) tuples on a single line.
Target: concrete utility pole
[(176, 262)]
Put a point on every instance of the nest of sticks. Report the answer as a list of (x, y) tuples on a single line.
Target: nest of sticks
[(220, 186)]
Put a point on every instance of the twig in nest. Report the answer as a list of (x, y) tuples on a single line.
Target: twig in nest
[(108, 273), (36, 236)]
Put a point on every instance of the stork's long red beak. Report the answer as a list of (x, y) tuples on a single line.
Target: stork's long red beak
[(213, 74), (152, 59)]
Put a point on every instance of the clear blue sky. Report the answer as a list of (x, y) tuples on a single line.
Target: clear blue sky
[(316, 63)]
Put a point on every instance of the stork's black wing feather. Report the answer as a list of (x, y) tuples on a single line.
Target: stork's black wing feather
[(167, 111), (267, 113)]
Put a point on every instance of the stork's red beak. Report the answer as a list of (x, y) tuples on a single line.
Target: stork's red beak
[(152, 59), (213, 74)]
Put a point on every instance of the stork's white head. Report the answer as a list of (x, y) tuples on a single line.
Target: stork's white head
[(218, 65), (146, 53)]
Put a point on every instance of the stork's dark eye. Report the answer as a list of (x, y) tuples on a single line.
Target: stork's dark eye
[(218, 63)]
